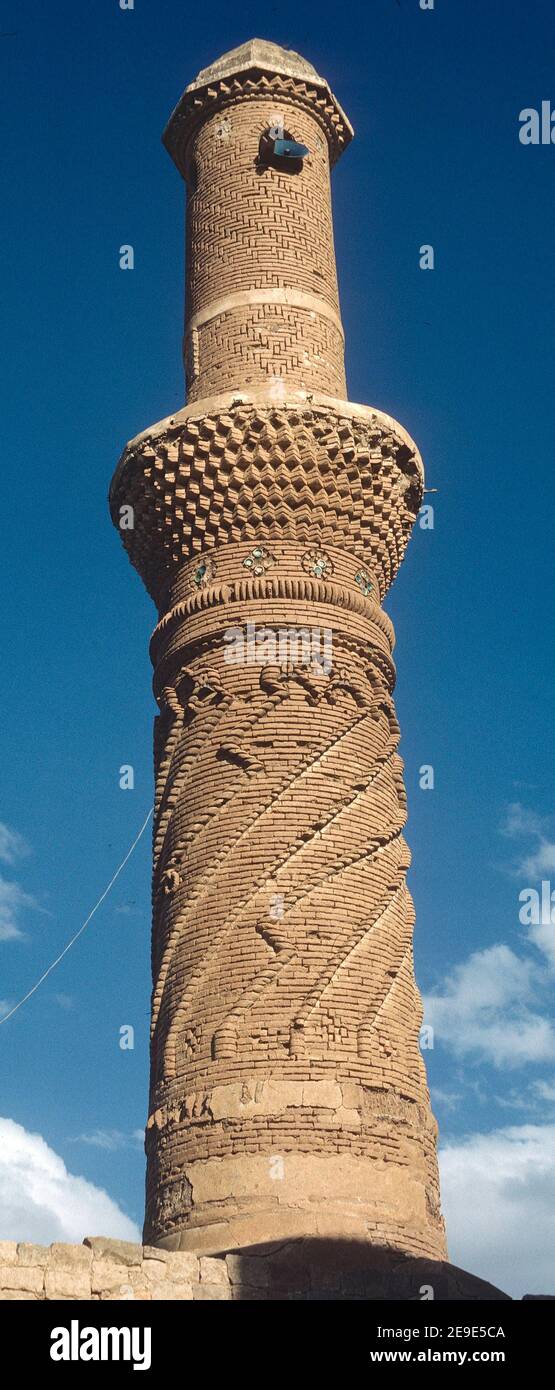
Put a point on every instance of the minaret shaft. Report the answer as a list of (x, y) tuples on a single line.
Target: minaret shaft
[(288, 1095), (262, 299)]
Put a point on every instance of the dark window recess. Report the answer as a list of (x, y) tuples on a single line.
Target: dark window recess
[(281, 152), (192, 177)]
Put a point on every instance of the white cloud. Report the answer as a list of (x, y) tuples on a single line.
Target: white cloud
[(40, 1201), (521, 823), (541, 861), (12, 845), (110, 1139), (64, 1001), (545, 1090), (12, 900), (485, 1008), (498, 1197), (542, 935), (450, 1099)]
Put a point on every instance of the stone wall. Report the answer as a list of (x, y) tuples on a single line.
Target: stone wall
[(302, 1270), (110, 1269)]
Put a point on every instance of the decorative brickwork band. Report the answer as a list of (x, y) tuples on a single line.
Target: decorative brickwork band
[(304, 471)]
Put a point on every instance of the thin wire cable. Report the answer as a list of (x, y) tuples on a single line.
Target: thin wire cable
[(81, 929)]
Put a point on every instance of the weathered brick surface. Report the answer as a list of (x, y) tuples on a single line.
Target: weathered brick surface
[(288, 1095)]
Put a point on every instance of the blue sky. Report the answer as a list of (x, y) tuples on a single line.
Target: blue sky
[(463, 357)]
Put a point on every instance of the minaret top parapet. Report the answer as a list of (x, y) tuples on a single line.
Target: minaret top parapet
[(262, 54), (257, 68)]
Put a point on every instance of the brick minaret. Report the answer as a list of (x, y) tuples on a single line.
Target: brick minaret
[(288, 1095)]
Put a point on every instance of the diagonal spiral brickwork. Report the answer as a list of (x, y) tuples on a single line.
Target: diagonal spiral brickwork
[(288, 1096), (297, 979)]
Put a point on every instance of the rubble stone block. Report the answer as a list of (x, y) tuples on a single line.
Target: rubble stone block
[(106, 1274), (248, 1270), (171, 1292), (37, 1255), (122, 1252), (17, 1295), (213, 1271), (183, 1267), (70, 1256), (64, 1282), (154, 1270), (23, 1277), (215, 1292)]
